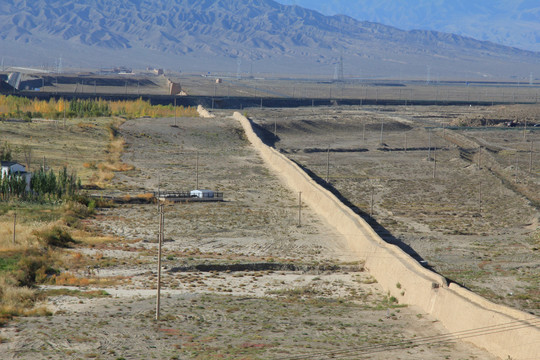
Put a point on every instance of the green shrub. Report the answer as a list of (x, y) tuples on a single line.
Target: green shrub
[(33, 269), (56, 236)]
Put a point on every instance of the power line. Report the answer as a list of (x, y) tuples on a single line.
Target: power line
[(428, 340)]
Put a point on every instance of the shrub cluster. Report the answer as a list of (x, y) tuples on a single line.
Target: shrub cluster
[(55, 236)]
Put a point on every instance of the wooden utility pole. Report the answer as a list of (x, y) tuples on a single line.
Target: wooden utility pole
[(372, 199), (429, 145), (328, 164), (364, 133), (160, 243), (480, 159), (531, 158), (197, 171), (480, 198), (517, 165), (434, 164), (382, 130), (175, 110), (14, 226), (158, 192), (299, 208), (405, 142)]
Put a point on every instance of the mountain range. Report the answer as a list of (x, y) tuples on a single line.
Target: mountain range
[(513, 23), (227, 35)]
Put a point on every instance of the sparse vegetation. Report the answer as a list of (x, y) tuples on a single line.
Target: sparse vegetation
[(24, 108)]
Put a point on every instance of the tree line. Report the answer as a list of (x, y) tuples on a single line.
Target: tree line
[(44, 186), (27, 109)]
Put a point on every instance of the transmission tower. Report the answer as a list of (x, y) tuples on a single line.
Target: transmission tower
[(59, 66), (338, 71), (238, 65)]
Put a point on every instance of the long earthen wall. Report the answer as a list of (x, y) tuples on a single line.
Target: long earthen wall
[(501, 330)]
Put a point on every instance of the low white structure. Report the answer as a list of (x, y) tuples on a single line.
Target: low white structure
[(12, 167), (206, 194)]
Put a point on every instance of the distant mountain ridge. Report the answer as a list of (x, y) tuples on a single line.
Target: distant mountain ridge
[(209, 32), (509, 22)]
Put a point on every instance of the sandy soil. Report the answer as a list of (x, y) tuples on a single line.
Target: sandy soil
[(241, 279)]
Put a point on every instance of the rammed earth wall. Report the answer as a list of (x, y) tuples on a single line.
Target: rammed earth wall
[(501, 330)]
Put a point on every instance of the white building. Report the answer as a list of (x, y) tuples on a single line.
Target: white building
[(12, 167)]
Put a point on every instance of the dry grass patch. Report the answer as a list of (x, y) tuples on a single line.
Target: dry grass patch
[(70, 279), (18, 300), (24, 235), (113, 163)]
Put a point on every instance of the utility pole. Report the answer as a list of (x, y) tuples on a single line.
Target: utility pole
[(434, 163), (299, 209), (328, 164), (372, 199), (517, 165), (174, 110), (429, 146), (160, 243), (382, 129), (197, 171), (14, 226), (405, 142), (364, 133), (531, 158), (480, 159), (480, 198)]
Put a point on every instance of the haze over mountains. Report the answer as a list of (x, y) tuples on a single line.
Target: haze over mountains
[(513, 23), (220, 35)]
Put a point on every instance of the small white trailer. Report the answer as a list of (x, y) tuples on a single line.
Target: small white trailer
[(202, 194)]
